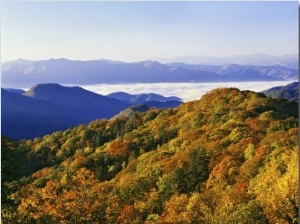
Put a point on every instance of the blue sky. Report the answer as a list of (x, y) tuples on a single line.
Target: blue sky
[(135, 31)]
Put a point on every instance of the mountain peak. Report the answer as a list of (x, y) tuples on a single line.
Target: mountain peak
[(151, 64), (19, 61), (44, 88), (59, 93)]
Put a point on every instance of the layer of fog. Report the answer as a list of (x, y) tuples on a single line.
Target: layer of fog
[(186, 91)]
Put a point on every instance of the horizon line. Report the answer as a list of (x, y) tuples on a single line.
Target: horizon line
[(151, 59)]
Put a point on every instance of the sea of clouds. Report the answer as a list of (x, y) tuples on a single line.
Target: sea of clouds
[(186, 91)]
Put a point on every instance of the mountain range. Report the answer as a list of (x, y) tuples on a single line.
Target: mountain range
[(46, 108), (289, 61), (141, 98), (290, 92), (232, 70), (23, 73), (26, 117)]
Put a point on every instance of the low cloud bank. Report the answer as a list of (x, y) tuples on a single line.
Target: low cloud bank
[(186, 91)]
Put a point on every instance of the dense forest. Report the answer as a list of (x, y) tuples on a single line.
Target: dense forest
[(230, 157)]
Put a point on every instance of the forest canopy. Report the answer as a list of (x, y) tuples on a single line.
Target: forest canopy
[(230, 157)]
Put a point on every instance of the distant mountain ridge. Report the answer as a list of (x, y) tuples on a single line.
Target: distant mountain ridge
[(27, 117), (18, 91), (275, 71), (141, 98), (77, 101), (290, 92), (289, 61), (22, 73), (50, 107), (46, 108)]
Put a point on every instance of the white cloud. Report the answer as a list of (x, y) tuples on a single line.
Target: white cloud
[(186, 91)]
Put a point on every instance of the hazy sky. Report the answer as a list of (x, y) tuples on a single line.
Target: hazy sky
[(135, 31)]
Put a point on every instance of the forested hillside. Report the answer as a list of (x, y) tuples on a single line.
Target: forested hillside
[(230, 157)]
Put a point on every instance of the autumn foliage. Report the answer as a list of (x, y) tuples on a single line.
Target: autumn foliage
[(230, 157)]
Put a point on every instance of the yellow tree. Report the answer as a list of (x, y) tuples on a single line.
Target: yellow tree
[(276, 189)]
